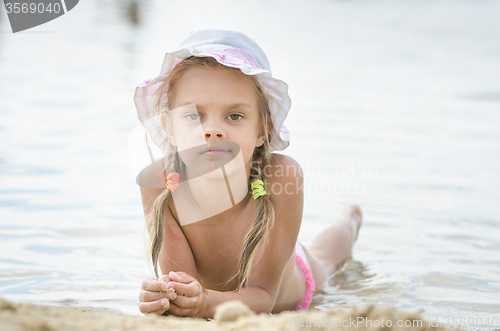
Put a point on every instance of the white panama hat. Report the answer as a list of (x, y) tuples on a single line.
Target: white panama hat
[(232, 49)]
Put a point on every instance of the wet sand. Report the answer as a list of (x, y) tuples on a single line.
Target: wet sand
[(229, 316)]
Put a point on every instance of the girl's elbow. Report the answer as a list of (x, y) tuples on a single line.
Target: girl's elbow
[(265, 301)]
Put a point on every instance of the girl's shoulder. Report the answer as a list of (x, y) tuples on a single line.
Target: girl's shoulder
[(284, 165), (284, 171)]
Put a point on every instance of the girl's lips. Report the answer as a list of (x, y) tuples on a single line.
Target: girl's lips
[(214, 153)]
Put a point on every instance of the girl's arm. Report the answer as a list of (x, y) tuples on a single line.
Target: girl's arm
[(173, 239), (288, 199), (263, 284), (200, 302), (154, 297)]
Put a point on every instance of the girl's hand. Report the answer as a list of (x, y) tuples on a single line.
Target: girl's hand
[(191, 296), (155, 296)]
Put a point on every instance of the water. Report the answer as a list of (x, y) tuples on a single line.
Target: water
[(395, 108)]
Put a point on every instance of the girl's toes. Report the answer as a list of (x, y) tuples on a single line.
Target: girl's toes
[(355, 216)]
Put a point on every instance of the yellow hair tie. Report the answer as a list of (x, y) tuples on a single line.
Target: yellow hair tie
[(258, 189)]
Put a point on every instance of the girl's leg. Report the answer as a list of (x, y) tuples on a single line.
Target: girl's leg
[(333, 246)]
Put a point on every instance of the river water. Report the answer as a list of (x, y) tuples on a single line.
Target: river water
[(395, 107)]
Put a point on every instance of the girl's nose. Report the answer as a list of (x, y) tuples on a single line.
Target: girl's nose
[(214, 132)]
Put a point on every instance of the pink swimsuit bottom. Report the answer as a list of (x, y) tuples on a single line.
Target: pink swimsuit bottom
[(301, 260)]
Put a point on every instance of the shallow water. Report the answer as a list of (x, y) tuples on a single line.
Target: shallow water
[(395, 108)]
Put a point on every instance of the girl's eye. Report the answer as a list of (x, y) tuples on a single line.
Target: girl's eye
[(235, 117), (193, 116)]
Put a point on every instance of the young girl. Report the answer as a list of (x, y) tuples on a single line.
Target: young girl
[(224, 212)]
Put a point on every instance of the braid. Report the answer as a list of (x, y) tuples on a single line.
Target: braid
[(157, 214), (263, 218)]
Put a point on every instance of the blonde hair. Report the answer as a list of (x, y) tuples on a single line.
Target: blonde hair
[(264, 216)]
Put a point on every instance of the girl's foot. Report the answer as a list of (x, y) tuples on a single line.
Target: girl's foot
[(353, 214), (333, 246)]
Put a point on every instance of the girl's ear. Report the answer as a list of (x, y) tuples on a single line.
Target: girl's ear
[(165, 123), (262, 138), (260, 141)]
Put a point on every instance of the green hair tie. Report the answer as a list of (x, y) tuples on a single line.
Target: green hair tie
[(258, 189)]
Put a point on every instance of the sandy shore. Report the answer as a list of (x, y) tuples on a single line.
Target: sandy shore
[(230, 316)]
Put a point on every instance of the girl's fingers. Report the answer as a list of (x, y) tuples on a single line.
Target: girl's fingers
[(179, 311), (185, 302), (155, 307), (191, 290), (164, 278), (181, 277), (154, 285), (148, 296)]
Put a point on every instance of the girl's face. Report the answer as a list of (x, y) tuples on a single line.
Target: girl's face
[(225, 113)]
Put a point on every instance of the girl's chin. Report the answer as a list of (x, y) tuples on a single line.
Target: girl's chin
[(217, 175)]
